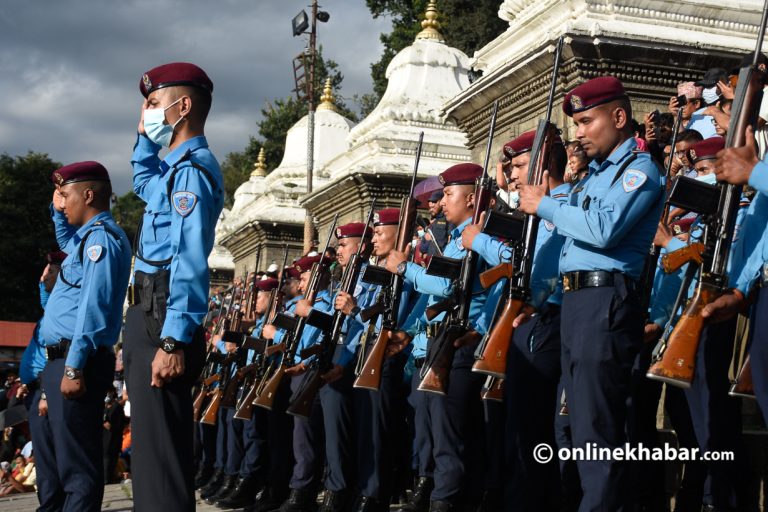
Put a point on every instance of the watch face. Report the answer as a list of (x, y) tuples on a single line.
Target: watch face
[(169, 346)]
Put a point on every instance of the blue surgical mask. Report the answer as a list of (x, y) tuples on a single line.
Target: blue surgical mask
[(154, 124), (709, 179), (514, 199)]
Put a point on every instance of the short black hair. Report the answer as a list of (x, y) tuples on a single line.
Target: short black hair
[(689, 136), (559, 158)]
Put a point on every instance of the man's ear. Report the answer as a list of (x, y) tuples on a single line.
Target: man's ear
[(185, 106), (471, 200), (89, 196), (620, 118)]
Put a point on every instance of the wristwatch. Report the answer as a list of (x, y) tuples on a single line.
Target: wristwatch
[(168, 345), (402, 267), (72, 373)]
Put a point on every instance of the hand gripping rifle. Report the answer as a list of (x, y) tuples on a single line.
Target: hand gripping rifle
[(491, 358), (440, 354), (295, 327), (370, 375), (329, 339), (675, 362)]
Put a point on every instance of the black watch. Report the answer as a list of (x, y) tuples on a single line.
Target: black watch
[(402, 267), (169, 345)]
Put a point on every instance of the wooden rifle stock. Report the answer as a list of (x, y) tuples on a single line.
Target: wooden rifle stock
[(370, 375), (266, 398), (743, 386), (197, 404), (493, 390), (495, 274), (245, 409), (676, 362), (212, 411), (672, 261), (436, 377), (274, 349), (439, 307), (493, 358)]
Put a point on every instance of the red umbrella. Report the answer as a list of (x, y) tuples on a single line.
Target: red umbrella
[(424, 189)]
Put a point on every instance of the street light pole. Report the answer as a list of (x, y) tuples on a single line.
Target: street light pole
[(309, 230)]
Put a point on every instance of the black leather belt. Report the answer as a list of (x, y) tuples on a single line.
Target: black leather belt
[(419, 362), (57, 350), (573, 281)]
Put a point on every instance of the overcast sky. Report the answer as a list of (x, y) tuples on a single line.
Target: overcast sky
[(69, 69)]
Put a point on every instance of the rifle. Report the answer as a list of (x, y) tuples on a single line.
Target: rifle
[(493, 389), (491, 355), (211, 412), (313, 381), (250, 301), (266, 397), (743, 386), (221, 319), (437, 368), (676, 359), (673, 261), (369, 376), (233, 333), (197, 403)]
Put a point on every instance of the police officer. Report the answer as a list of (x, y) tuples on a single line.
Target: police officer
[(609, 222), (164, 342), (80, 326), (455, 418)]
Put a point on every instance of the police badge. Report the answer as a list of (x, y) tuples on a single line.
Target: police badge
[(184, 202)]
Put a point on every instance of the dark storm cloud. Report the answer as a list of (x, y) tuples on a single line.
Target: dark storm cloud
[(69, 70)]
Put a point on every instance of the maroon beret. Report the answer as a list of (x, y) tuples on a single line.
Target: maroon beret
[(305, 264), (387, 217), (175, 73), (523, 143), (461, 174), (592, 93), (267, 284), (56, 257), (706, 149), (683, 225), (80, 171), (292, 272), (353, 230)]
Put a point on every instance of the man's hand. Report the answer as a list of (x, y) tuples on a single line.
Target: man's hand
[(531, 195), (470, 232), (268, 332), (394, 258), (303, 307), (734, 165), (57, 200), (141, 118), (724, 307), (345, 303), (333, 374), (42, 407), (469, 338), (230, 347), (726, 91), (525, 314), (652, 333), (398, 340), (502, 172), (166, 367), (673, 106), (296, 369), (22, 392), (663, 235), (72, 388)]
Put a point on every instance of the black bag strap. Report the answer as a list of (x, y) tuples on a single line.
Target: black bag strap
[(623, 168), (96, 225)]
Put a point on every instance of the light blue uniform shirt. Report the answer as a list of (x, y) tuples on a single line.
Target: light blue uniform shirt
[(179, 229), (86, 303), (415, 325), (609, 225), (750, 250), (354, 326), (702, 124)]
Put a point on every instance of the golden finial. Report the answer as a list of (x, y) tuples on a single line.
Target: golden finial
[(260, 167), (326, 100), (430, 27)]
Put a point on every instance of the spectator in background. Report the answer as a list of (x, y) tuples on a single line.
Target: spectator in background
[(438, 225), (114, 422), (693, 111), (578, 163), (25, 479)]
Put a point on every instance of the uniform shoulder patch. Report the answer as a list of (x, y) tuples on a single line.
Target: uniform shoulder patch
[(548, 225), (184, 202), (358, 290), (94, 252), (633, 180)]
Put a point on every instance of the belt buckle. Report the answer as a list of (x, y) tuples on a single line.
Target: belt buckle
[(566, 283)]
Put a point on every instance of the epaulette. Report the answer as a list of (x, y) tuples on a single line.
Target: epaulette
[(556, 196)]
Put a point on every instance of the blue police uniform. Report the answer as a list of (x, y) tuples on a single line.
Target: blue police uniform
[(456, 418), (609, 222), (184, 196), (84, 312)]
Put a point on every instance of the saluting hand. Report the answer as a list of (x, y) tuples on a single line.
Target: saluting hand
[(345, 303), (166, 367), (141, 118), (531, 195), (724, 307), (57, 200), (734, 165), (73, 388)]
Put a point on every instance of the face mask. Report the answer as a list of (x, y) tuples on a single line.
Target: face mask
[(709, 179), (514, 199), (710, 95), (421, 233), (154, 124)]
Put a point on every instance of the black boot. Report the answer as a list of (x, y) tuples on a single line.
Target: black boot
[(334, 501), (441, 506), (368, 504), (300, 500), (266, 500), (203, 475), (242, 496), (226, 488), (419, 501), (213, 485)]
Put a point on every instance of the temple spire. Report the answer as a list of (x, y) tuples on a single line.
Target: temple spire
[(327, 99), (430, 27), (260, 167)]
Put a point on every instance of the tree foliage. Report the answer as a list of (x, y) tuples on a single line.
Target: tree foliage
[(466, 24), (25, 194), (127, 211)]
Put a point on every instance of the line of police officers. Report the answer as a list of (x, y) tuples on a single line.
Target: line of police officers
[(584, 336)]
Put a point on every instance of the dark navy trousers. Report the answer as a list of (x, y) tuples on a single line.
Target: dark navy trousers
[(422, 428), (235, 447), (307, 444), (335, 399), (50, 491)]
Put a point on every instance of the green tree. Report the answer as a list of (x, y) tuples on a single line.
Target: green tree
[(466, 24), (127, 211), (25, 194), (277, 118)]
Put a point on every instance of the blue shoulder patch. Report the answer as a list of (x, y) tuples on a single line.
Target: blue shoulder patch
[(633, 180), (184, 202), (94, 252)]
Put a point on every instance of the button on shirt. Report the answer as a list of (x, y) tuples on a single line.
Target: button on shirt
[(86, 303), (178, 226), (609, 225)]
